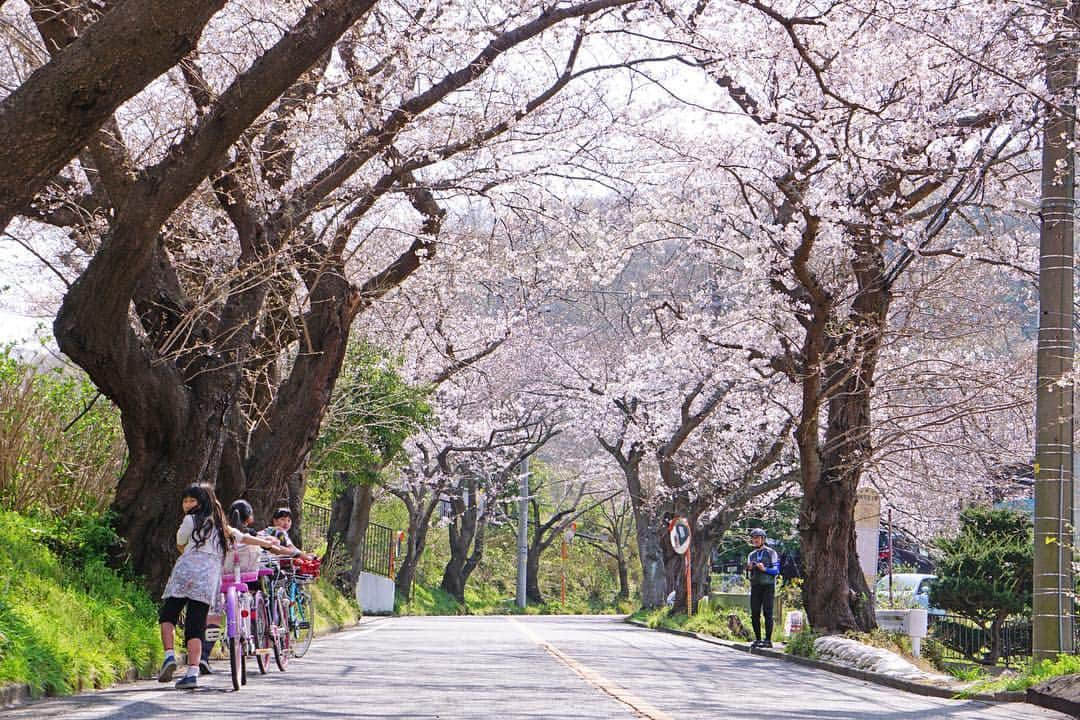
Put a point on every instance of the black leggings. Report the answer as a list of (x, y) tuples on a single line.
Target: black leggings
[(761, 602), (194, 622)]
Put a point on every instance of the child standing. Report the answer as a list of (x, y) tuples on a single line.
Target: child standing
[(195, 581), (279, 528)]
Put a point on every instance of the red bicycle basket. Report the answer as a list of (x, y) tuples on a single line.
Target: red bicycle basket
[(308, 567)]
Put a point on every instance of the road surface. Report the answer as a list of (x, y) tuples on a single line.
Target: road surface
[(522, 668)]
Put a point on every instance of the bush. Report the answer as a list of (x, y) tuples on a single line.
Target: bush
[(802, 643), (61, 445), (985, 575)]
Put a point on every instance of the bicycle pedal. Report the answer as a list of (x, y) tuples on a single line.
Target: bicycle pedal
[(304, 625), (262, 651), (212, 634)]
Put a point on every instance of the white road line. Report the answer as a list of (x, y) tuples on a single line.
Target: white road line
[(598, 681)]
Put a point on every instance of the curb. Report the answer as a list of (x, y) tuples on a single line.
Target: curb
[(17, 694), (895, 683), (21, 693), (1052, 702)]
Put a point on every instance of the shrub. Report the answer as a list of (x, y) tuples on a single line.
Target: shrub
[(61, 446), (985, 575), (802, 643)]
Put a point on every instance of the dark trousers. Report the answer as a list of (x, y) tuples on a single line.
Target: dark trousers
[(761, 601), (194, 621)]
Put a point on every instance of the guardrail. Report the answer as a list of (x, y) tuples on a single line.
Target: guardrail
[(316, 523), (962, 639), (377, 555)]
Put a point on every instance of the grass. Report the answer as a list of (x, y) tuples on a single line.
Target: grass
[(333, 610), (67, 626), (1029, 675), (717, 622)]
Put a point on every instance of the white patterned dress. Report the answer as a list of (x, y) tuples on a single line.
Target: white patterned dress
[(197, 573)]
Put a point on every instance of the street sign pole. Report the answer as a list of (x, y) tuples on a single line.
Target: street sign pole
[(689, 586), (679, 533), (564, 554)]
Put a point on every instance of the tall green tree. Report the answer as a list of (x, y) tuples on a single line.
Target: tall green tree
[(373, 411)]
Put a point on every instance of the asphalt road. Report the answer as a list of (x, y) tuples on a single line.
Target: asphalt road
[(500, 668)]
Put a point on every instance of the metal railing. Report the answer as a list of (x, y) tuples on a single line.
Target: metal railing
[(316, 523), (962, 639), (377, 552)]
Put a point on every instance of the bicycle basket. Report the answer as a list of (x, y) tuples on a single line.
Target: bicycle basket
[(308, 567)]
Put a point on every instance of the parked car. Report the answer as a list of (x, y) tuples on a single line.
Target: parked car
[(907, 551), (908, 590)]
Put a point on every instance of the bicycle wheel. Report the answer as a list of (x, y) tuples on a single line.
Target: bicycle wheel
[(261, 628), (304, 630), (282, 634), (236, 660)]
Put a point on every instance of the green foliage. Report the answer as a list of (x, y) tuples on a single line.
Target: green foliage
[(779, 520), (985, 572), (1030, 675), (333, 609), (802, 643), (967, 673), (61, 444), (79, 537), (67, 626), (427, 600), (723, 623), (372, 413)]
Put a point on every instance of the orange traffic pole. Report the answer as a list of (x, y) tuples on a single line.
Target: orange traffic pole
[(689, 589), (564, 555)]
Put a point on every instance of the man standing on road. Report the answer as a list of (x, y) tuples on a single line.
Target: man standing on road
[(763, 564)]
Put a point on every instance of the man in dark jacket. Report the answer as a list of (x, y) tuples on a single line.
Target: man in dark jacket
[(763, 565)]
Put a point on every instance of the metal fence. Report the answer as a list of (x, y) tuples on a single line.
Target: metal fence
[(962, 639), (377, 554), (316, 524)]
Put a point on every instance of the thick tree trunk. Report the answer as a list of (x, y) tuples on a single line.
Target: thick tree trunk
[(700, 547), (654, 583), (415, 542), (54, 113), (359, 519), (827, 526), (466, 546), (453, 580), (349, 517)]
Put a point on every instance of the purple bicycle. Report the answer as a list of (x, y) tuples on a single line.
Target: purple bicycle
[(245, 632)]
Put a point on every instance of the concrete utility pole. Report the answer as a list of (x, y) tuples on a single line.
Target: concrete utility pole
[(1052, 615), (523, 533)]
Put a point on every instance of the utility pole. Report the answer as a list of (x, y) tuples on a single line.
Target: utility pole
[(523, 532), (1052, 615)]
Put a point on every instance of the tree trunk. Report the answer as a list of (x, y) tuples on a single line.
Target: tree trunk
[(700, 547), (363, 499), (466, 543), (840, 377), (60, 106), (349, 517), (453, 580), (532, 575), (624, 575), (654, 583), (415, 542)]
